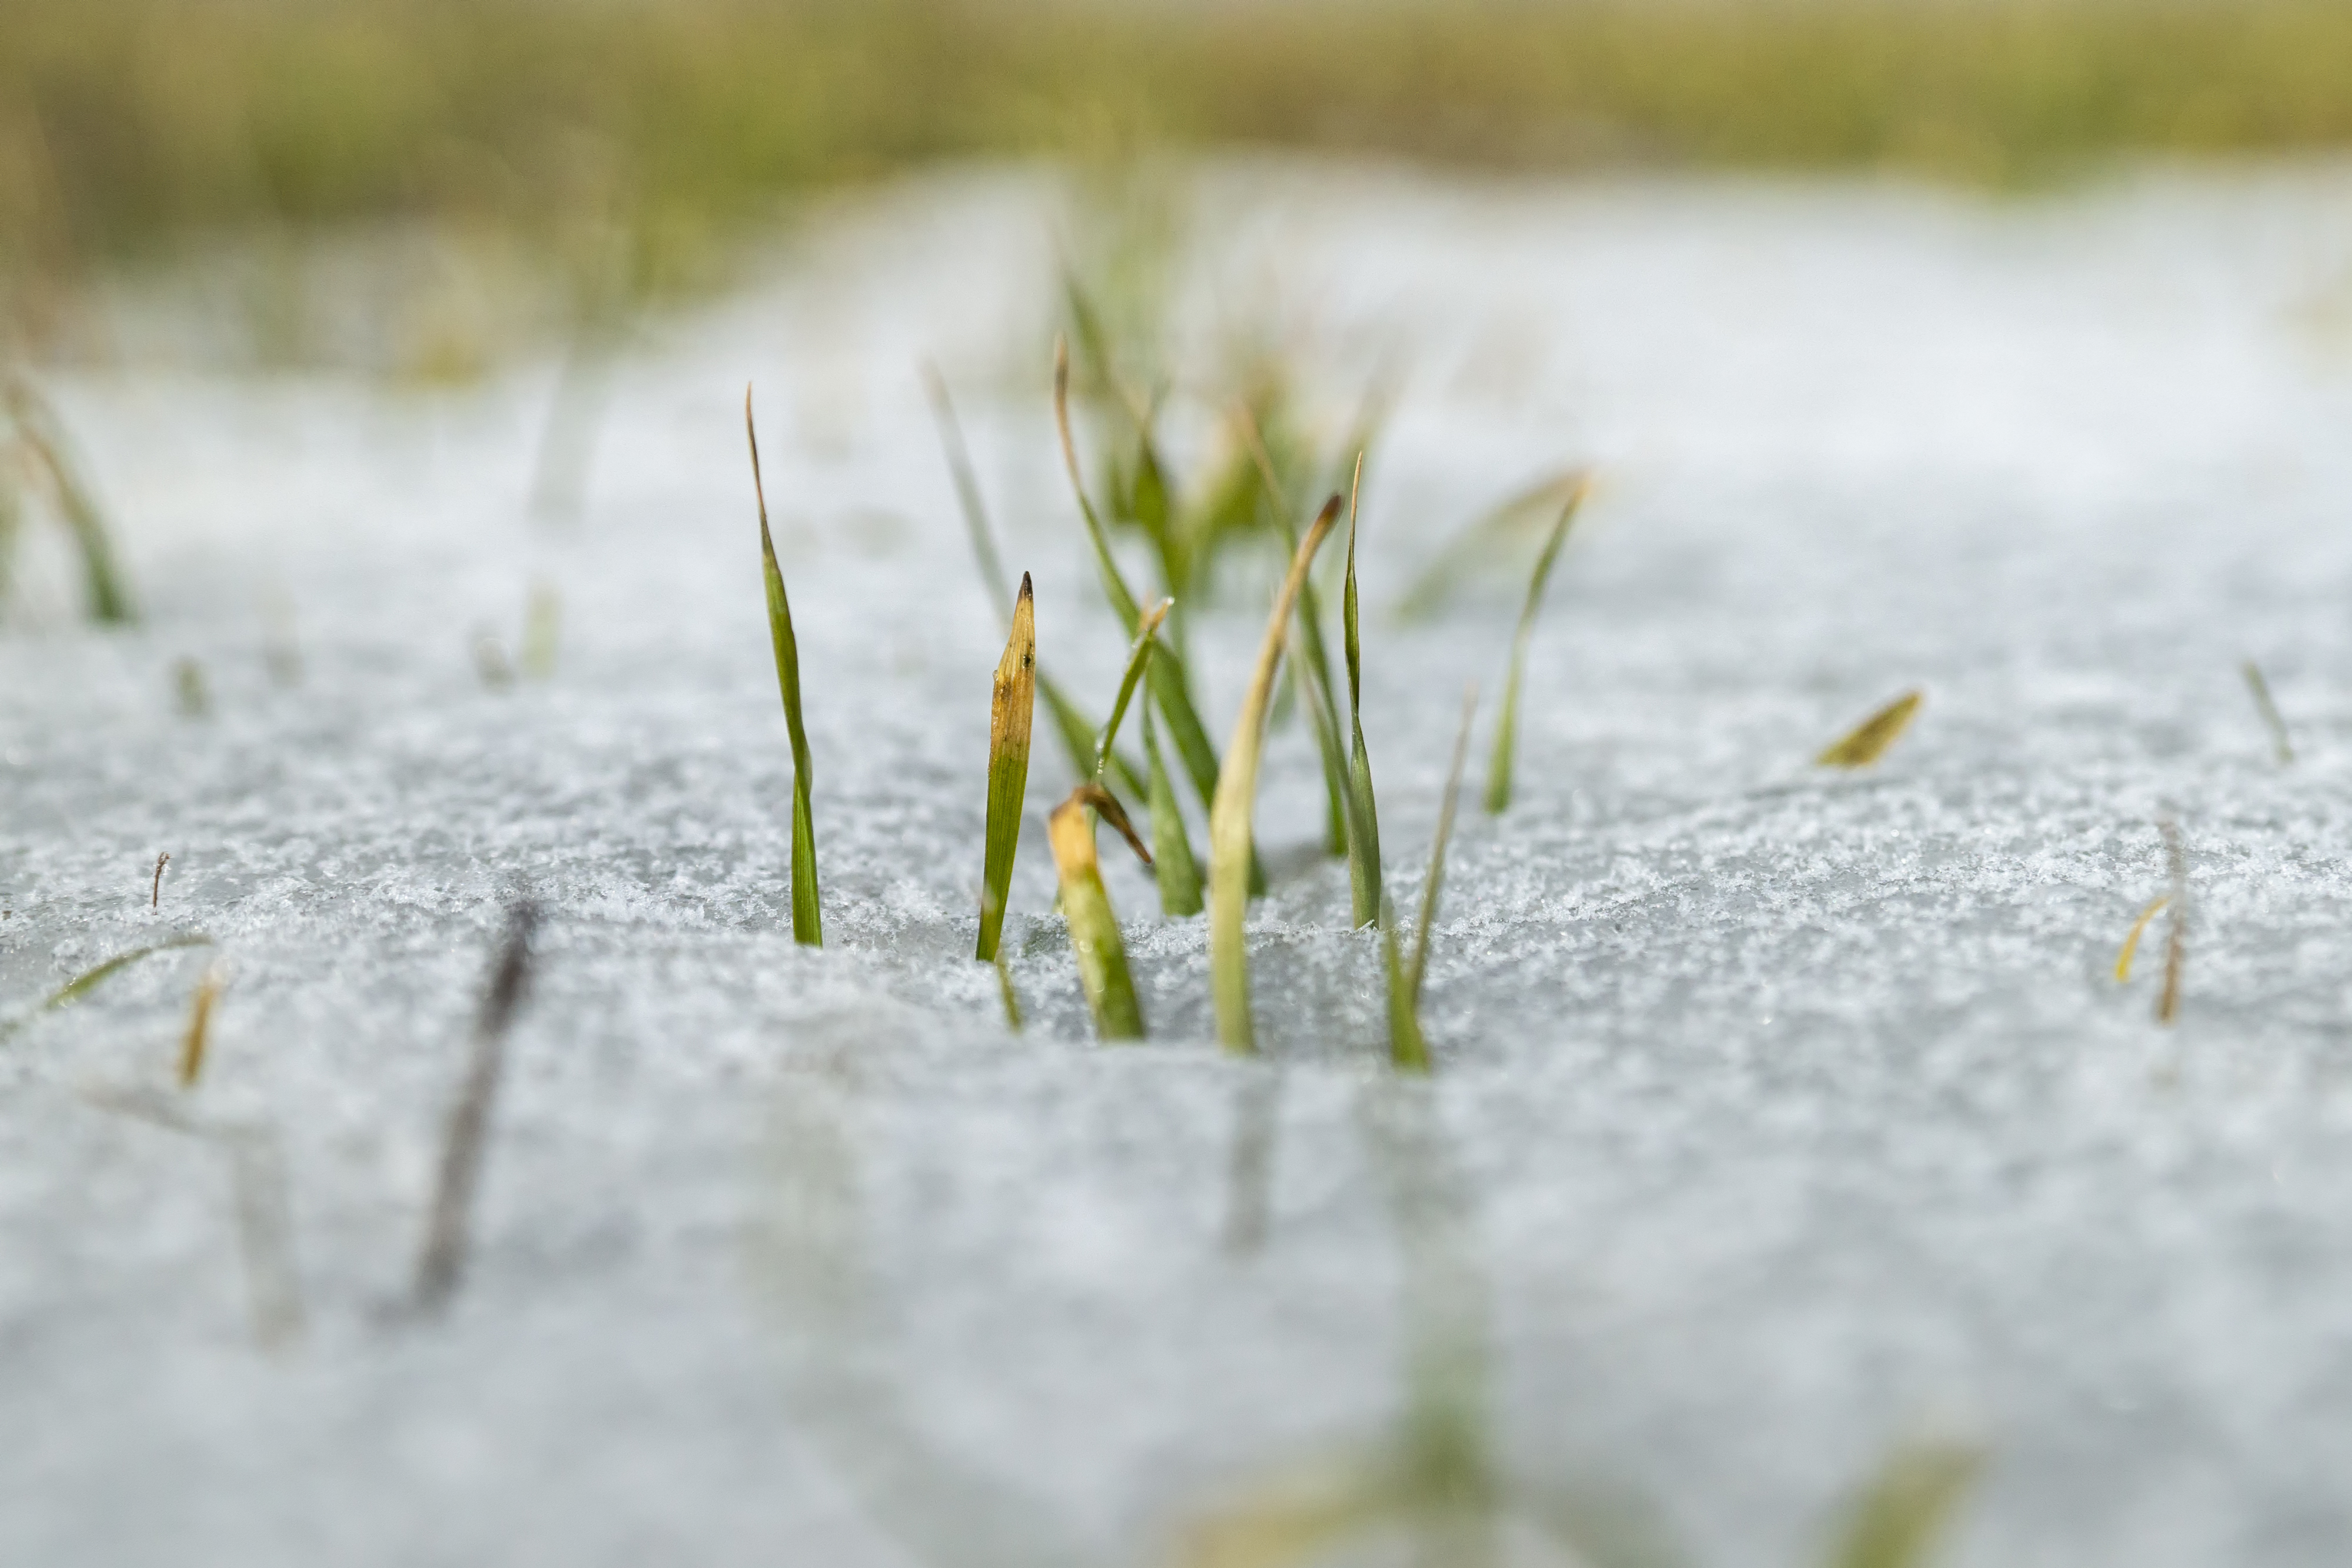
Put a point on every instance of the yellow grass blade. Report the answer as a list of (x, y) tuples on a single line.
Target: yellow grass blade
[(1870, 738), (2139, 928), (200, 1019), (1230, 813), (1094, 926)]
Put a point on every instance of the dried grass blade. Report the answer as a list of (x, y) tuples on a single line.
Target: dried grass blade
[(1094, 927), (1236, 804), (1363, 811), (808, 919), (2271, 718), (2176, 935), (1011, 709), (1870, 739), (200, 1022), (1506, 729), (1172, 847), (2139, 928)]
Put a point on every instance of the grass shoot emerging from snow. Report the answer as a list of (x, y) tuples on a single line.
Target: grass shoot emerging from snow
[(1869, 740), (90, 979), (41, 437), (1094, 926), (1408, 1048), (1011, 709), (1905, 1511), (808, 920), (2176, 934), (1363, 813), (200, 1023), (1506, 729), (1236, 804), (2271, 718)]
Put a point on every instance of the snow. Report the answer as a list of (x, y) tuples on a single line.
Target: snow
[(1778, 1115)]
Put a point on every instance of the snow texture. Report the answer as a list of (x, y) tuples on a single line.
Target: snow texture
[(1778, 1116)]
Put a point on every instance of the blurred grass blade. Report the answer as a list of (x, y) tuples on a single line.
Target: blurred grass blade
[(808, 920), (1011, 709), (1506, 729), (1870, 738), (1236, 804), (2139, 928), (1313, 669), (37, 427), (1165, 673), (967, 486), (2271, 718), (1172, 848), (542, 630), (1904, 1512), (1408, 1048), (200, 1020), (1004, 989), (90, 979), (1436, 882), (1094, 927), (1136, 656), (1363, 813), (1485, 539), (1294, 1520), (2176, 934)]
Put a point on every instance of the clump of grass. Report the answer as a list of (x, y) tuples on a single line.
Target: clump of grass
[(444, 1256), (2272, 719), (90, 979), (1011, 705), (1870, 739), (1506, 729), (1408, 1048), (198, 1035), (1904, 1512), (1071, 726), (1236, 804), (40, 435), (808, 920), (1094, 926)]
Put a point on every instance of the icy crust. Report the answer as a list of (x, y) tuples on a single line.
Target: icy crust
[(1779, 1115)]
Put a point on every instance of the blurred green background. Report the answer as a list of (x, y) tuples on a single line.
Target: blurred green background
[(133, 130)]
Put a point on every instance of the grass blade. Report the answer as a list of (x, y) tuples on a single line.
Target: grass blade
[(1146, 632), (90, 979), (1004, 989), (1506, 729), (1408, 1046), (1094, 927), (1363, 814), (1905, 1511), (1484, 538), (1314, 667), (808, 920), (36, 426), (1171, 850), (542, 630), (1236, 803), (443, 1256), (1870, 739), (1011, 709), (200, 1020), (2271, 718), (2139, 928), (2176, 935)]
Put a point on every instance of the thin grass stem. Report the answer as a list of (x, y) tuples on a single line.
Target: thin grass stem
[(2175, 936), (1506, 728), (156, 893), (1146, 633), (2271, 718), (2139, 928), (1236, 804), (1011, 707), (193, 1042), (808, 918)]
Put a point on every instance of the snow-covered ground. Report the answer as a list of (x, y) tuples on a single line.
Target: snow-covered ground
[(1779, 1116)]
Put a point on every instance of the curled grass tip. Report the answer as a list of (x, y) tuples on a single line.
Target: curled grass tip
[(2273, 720), (1010, 710), (808, 919), (1094, 926), (1236, 804), (1506, 728), (1869, 740), (1904, 1512)]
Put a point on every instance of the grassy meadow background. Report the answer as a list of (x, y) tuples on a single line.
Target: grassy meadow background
[(131, 130)]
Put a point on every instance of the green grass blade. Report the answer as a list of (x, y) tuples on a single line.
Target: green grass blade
[(967, 488), (1408, 1048), (1114, 585), (1230, 815), (1363, 813), (36, 426), (1011, 707), (1483, 538), (1314, 667), (1507, 729), (1146, 633), (808, 921), (1172, 848), (1435, 881), (1004, 989), (1094, 926), (90, 979), (1904, 1512)]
